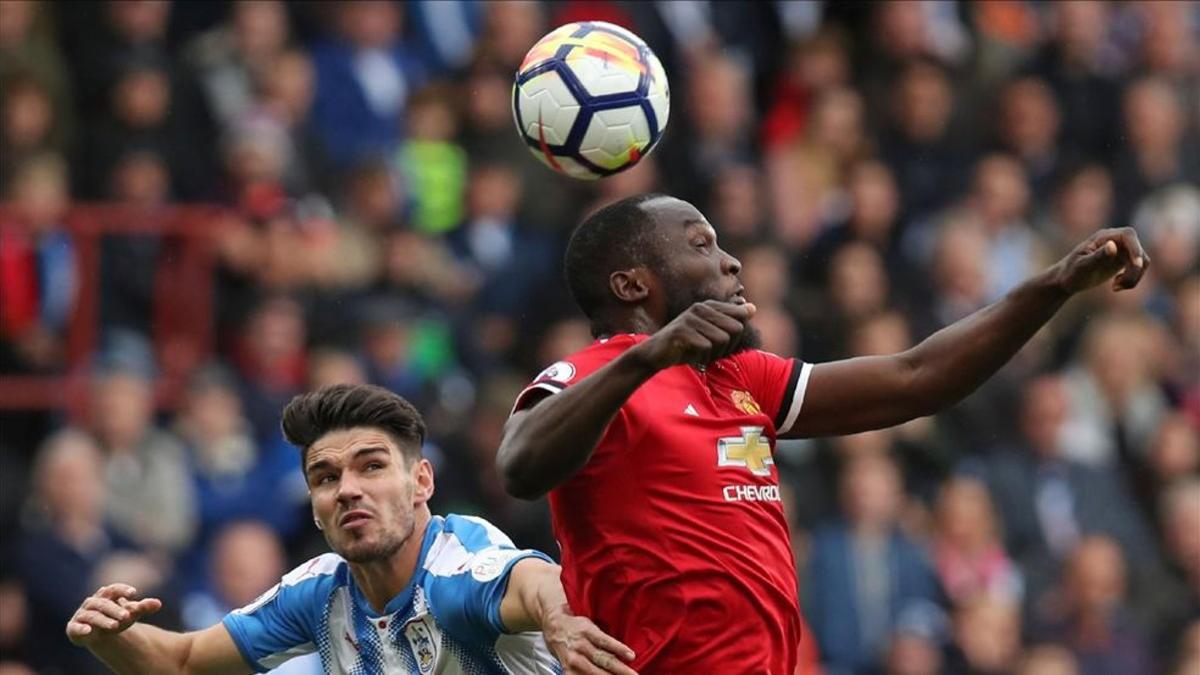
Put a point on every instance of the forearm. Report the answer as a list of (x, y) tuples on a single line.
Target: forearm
[(954, 361), (144, 649), (538, 596), (548, 444)]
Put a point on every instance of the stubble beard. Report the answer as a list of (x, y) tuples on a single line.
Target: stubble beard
[(390, 542)]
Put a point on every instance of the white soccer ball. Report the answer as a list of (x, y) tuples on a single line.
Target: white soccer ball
[(590, 99)]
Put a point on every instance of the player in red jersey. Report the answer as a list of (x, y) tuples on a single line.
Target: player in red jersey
[(655, 443)]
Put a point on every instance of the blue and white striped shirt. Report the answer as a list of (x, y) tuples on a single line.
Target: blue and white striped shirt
[(446, 621)]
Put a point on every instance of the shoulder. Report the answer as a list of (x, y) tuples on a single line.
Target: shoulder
[(459, 542), (308, 583), (589, 358)]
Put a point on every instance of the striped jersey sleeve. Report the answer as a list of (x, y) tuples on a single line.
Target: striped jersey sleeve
[(778, 383), (282, 623), (467, 569)]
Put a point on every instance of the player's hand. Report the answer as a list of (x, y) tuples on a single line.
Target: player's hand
[(703, 333), (1108, 254), (108, 611), (582, 648)]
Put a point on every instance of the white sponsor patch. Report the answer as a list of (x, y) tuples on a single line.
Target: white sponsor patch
[(560, 371), (488, 564)]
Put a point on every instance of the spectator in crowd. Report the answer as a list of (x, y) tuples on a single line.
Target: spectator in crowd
[(812, 66), (1174, 454), (864, 571), (510, 262), (1047, 660), (1050, 501), (29, 124), (38, 285), (1187, 657), (1170, 219), (151, 501), (719, 119), (1091, 616), (14, 619), (1159, 152), (987, 638), (1078, 63), (230, 59), (144, 113), (285, 88), (1029, 124), (234, 479), (364, 78), (916, 644), (28, 51), (970, 558), (434, 165), (1180, 525), (808, 176), (873, 205), (1081, 204), (247, 560), (929, 164), (270, 360), (64, 546), (737, 203), (997, 204), (1115, 401)]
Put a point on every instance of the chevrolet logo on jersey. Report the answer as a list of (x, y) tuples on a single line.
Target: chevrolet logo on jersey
[(750, 450)]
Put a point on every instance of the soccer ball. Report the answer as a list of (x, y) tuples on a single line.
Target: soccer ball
[(590, 99)]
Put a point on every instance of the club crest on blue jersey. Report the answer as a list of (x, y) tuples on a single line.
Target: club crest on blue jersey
[(424, 647)]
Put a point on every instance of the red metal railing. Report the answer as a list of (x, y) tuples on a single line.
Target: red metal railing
[(182, 330)]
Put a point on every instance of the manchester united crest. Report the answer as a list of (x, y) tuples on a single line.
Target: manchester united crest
[(745, 402)]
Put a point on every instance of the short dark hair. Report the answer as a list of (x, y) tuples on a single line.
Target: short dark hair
[(310, 416), (613, 238)]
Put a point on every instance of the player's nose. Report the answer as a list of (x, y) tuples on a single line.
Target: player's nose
[(730, 264), (348, 488)]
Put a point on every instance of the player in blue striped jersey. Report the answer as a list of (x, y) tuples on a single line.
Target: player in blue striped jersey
[(403, 592)]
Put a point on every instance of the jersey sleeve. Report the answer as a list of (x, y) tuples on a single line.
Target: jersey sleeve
[(562, 374), (470, 583), (777, 383), (281, 623)]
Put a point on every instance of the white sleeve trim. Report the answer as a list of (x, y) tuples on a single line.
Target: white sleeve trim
[(797, 399), (544, 385)]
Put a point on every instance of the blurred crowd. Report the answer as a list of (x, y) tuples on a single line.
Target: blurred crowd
[(881, 169)]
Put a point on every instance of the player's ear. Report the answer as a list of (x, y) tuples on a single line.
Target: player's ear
[(631, 285), (422, 474), (316, 520)]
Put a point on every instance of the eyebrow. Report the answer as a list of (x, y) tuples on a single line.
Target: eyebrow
[(324, 463)]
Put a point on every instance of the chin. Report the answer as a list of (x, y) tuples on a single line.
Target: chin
[(751, 339)]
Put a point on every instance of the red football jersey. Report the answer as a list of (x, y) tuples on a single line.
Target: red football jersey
[(673, 535)]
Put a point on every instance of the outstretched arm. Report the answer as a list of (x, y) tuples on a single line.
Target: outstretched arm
[(106, 624), (534, 600), (547, 443), (859, 394)]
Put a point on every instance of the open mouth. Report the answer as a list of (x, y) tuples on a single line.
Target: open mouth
[(738, 298)]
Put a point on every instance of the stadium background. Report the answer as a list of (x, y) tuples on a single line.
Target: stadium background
[(209, 207)]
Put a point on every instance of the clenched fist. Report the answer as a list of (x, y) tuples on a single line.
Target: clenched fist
[(703, 333)]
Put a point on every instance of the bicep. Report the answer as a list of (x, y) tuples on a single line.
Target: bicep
[(856, 395), (213, 651)]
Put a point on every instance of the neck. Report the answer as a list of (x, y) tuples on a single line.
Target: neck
[(637, 321), (382, 580)]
